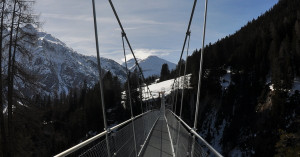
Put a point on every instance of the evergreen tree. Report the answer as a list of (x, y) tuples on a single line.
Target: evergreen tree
[(165, 72)]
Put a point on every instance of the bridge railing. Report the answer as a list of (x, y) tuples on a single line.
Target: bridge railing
[(120, 139), (182, 139)]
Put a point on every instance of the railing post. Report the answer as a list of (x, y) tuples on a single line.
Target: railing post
[(199, 81), (100, 79)]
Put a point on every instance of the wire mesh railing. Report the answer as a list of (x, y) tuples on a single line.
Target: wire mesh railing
[(182, 139), (120, 139)]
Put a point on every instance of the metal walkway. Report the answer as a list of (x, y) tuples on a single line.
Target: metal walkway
[(159, 133), (159, 144)]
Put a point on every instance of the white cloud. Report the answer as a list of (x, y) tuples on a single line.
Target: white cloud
[(153, 27), (144, 53)]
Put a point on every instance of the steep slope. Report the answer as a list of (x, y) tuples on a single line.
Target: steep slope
[(150, 66), (57, 68), (239, 114)]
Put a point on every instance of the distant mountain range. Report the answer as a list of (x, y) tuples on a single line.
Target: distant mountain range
[(58, 68), (150, 66)]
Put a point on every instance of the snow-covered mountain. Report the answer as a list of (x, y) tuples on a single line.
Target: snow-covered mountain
[(150, 66), (58, 68)]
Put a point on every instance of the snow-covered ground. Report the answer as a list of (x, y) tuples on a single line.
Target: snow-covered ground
[(296, 86), (5, 109), (216, 132), (226, 79), (236, 152), (165, 86)]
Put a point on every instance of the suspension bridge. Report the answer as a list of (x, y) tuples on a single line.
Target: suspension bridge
[(156, 132)]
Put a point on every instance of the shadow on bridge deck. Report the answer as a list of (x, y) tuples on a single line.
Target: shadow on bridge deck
[(159, 144)]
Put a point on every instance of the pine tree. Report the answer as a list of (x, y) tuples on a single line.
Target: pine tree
[(165, 72)]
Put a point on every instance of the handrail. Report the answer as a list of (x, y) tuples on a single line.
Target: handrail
[(196, 134), (80, 145), (127, 121), (90, 140)]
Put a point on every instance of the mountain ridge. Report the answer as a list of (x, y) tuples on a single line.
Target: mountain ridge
[(58, 68), (150, 65)]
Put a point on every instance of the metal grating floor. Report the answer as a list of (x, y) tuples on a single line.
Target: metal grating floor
[(159, 144)]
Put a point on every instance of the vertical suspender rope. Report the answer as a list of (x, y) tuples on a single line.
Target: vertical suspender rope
[(140, 93), (129, 94), (184, 75), (173, 95), (145, 98), (199, 81), (100, 79), (185, 39), (177, 88), (149, 100), (182, 93)]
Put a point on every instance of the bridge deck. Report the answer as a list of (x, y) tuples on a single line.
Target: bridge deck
[(159, 144)]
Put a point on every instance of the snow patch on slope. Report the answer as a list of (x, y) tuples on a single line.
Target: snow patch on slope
[(296, 85), (157, 88), (210, 129), (166, 87), (226, 79), (236, 152), (59, 68), (5, 110)]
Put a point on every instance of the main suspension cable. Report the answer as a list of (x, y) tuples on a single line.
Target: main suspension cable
[(128, 43)]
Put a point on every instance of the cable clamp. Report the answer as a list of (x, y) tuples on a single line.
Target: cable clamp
[(107, 130), (123, 34), (194, 129), (188, 33)]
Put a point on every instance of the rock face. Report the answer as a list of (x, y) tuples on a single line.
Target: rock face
[(150, 66), (58, 68)]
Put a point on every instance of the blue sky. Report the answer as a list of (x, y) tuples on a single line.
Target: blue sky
[(155, 27)]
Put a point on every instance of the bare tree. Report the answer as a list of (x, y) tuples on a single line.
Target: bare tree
[(19, 14), (2, 128)]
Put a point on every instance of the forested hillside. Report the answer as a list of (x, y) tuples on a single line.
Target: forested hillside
[(250, 93), (250, 105)]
